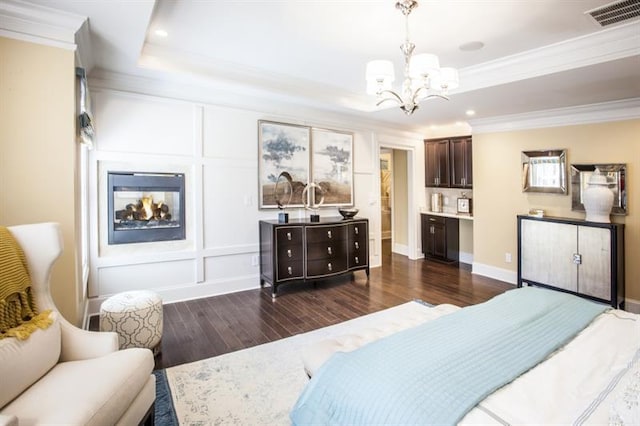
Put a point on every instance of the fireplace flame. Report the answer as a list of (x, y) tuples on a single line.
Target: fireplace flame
[(144, 210), (147, 208)]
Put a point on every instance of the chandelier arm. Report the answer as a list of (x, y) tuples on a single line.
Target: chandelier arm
[(414, 99), (394, 97)]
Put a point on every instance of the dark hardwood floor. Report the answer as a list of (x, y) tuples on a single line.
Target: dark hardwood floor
[(203, 328)]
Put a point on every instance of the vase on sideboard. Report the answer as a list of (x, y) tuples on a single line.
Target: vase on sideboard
[(598, 198)]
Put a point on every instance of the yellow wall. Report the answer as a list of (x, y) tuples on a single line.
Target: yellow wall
[(498, 196), (37, 152), (400, 197)]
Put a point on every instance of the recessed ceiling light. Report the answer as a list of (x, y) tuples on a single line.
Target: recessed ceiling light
[(471, 46), (161, 33), (470, 113)]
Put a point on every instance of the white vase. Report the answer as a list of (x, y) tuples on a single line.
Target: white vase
[(598, 198)]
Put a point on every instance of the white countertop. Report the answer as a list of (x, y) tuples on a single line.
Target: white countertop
[(462, 216)]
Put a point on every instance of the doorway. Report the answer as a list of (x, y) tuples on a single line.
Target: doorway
[(393, 202)]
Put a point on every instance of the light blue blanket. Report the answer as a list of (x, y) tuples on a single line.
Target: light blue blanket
[(436, 372)]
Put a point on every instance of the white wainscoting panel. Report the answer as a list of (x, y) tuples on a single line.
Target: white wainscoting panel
[(145, 276), (230, 203), (142, 124), (231, 133), (221, 267)]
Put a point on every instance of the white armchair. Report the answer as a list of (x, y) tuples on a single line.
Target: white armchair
[(63, 374)]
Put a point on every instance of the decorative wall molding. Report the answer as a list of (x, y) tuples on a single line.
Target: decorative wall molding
[(268, 104), (602, 46), (505, 275), (39, 24), (628, 109)]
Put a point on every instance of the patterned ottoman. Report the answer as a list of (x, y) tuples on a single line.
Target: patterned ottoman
[(137, 318)]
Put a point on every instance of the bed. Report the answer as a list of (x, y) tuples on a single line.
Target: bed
[(591, 375)]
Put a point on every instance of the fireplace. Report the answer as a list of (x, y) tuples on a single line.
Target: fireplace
[(145, 207)]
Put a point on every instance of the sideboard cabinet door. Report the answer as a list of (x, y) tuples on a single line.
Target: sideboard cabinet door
[(547, 254), (594, 245)]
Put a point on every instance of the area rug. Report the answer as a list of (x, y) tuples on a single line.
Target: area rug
[(255, 386)]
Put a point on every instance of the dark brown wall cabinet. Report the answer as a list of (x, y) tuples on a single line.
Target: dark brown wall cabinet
[(448, 162), (461, 163), (440, 237), (437, 163), (301, 251)]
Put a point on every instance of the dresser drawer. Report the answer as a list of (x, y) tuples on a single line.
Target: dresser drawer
[(290, 235), (358, 259), (328, 250), (323, 234), (358, 231), (288, 252), (436, 219), (319, 268), (290, 270)]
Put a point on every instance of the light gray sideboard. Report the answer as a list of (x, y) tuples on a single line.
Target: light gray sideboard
[(579, 257)]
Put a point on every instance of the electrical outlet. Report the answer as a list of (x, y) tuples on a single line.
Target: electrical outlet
[(255, 260), (507, 257), (446, 201)]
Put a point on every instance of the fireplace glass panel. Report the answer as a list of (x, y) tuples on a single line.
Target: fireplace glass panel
[(145, 207)]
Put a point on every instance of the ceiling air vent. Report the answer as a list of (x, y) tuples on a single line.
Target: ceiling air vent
[(616, 12)]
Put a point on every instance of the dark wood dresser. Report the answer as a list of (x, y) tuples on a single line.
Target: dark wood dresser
[(300, 251)]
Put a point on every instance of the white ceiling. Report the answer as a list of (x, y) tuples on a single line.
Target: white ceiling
[(537, 55)]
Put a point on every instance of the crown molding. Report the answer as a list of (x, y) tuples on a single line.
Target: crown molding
[(627, 109), (602, 46), (238, 97), (38, 24)]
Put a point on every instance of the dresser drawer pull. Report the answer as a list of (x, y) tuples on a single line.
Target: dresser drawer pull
[(355, 229), (289, 252), (330, 267), (289, 270), (329, 251), (289, 236), (357, 245), (329, 234), (357, 261), (432, 219)]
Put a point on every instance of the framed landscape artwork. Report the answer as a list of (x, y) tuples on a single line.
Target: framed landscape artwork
[(332, 165), (282, 147)]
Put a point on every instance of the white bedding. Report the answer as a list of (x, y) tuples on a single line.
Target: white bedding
[(595, 379), (578, 384)]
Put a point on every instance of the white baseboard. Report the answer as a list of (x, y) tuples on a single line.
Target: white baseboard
[(505, 275), (402, 249), (192, 291), (631, 305), (465, 258)]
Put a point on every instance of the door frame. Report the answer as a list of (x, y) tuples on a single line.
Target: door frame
[(412, 209)]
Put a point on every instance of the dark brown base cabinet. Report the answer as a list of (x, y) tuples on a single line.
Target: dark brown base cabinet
[(578, 257), (440, 237), (300, 251)]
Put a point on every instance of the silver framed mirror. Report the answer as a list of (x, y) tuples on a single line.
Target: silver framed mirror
[(545, 171), (616, 175)]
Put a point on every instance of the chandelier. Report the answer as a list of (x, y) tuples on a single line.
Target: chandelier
[(423, 77)]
